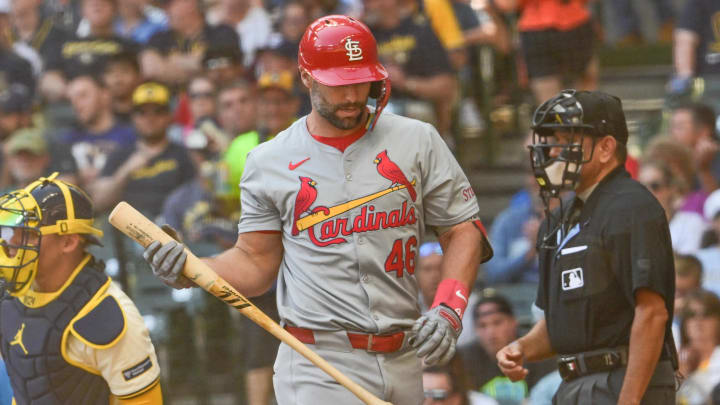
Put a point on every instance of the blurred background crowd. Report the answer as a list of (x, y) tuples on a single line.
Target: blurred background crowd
[(157, 102)]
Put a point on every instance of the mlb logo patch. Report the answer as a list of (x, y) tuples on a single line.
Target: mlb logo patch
[(572, 279)]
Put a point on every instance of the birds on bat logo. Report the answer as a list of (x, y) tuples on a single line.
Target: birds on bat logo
[(304, 199), (388, 169), (333, 228)]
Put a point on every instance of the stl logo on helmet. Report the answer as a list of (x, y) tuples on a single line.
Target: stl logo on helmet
[(354, 52)]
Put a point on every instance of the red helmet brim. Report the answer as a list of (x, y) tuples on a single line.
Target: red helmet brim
[(341, 76)]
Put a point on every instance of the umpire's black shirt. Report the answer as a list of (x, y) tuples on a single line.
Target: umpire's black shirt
[(621, 243)]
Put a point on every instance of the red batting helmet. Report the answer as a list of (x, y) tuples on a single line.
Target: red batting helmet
[(338, 50)]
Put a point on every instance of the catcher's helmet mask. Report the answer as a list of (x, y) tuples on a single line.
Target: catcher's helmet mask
[(557, 166), (562, 171), (338, 50), (46, 206)]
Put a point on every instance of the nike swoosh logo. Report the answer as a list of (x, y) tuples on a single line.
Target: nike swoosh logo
[(292, 166), (462, 297)]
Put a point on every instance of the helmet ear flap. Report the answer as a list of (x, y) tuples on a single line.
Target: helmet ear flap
[(376, 89)]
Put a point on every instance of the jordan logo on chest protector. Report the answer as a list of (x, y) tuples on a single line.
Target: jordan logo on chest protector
[(332, 229), (18, 340)]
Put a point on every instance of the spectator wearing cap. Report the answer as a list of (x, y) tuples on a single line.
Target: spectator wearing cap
[(278, 102), (16, 116), (147, 171), (418, 65), (282, 57), (15, 109), (277, 57), (223, 66), (85, 53), (710, 256), (121, 76), (138, 21), (251, 22), (448, 385), (28, 157), (495, 327), (98, 132), (693, 125), (176, 55)]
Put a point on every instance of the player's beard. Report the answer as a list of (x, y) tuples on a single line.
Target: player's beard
[(329, 111)]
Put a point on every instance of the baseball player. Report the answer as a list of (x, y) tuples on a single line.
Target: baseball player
[(68, 335), (335, 208)]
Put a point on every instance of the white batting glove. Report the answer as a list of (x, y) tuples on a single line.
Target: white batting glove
[(436, 334)]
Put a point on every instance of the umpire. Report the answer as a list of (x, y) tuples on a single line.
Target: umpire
[(606, 264)]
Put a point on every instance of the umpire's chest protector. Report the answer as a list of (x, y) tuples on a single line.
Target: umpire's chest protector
[(32, 340)]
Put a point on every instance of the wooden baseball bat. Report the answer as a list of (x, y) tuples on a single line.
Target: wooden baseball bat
[(138, 227)]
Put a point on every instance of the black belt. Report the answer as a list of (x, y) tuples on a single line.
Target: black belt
[(596, 361)]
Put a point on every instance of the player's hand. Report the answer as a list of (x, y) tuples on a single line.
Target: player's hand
[(510, 361), (167, 261), (436, 334)]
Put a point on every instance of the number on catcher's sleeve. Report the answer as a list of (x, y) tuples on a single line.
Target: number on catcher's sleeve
[(395, 261)]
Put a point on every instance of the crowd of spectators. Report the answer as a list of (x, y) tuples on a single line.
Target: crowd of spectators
[(157, 102)]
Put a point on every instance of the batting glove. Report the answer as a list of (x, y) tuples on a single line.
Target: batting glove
[(167, 261), (436, 334)]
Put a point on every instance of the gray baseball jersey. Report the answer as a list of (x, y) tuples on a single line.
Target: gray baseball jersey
[(352, 221)]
